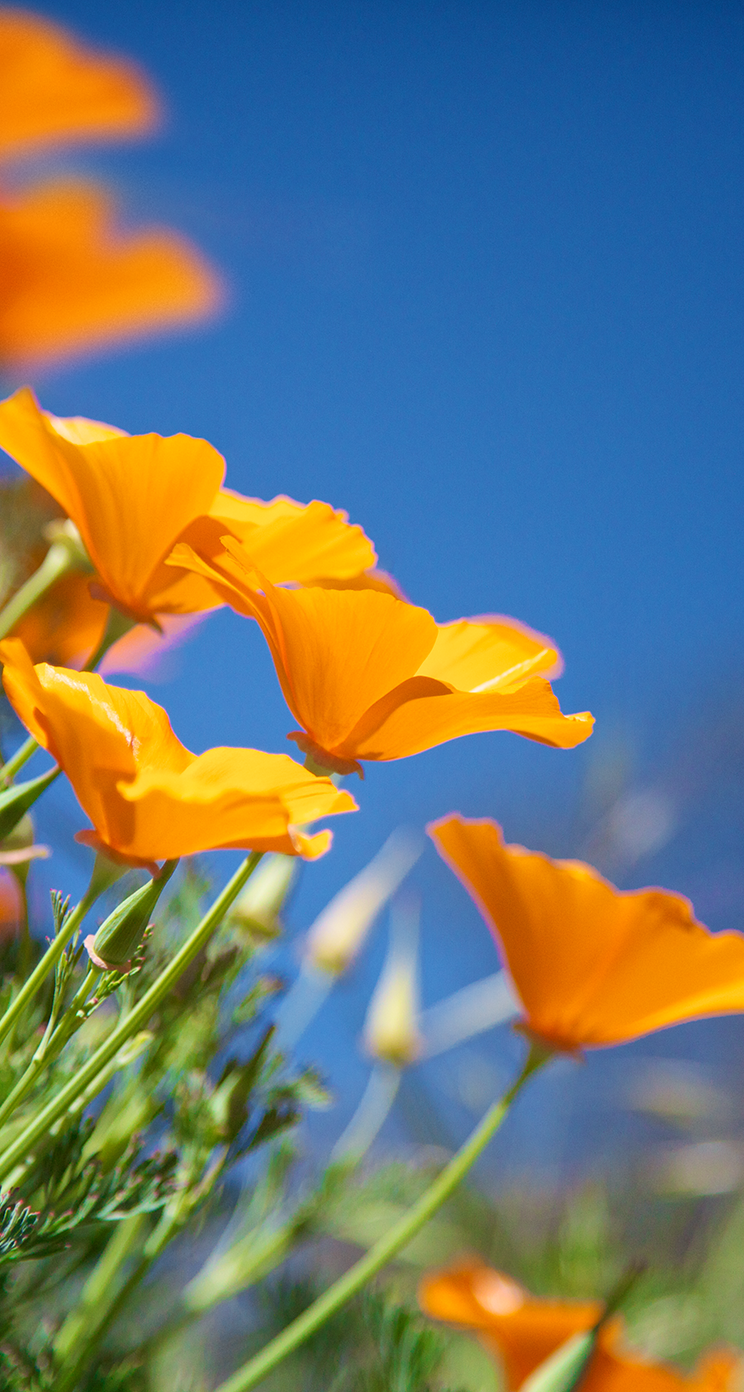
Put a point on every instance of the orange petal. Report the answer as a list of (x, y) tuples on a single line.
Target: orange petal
[(591, 965), (423, 713), (72, 281), (54, 89), (291, 543), (129, 496), (490, 654), (231, 798), (148, 797), (66, 625), (97, 733), (520, 1329)]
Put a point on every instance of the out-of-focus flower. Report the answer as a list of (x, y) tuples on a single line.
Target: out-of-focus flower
[(256, 909), (148, 797), (11, 903), (71, 280), (132, 497), (56, 90), (391, 1032), (591, 965), (339, 932), (523, 1332), (369, 676)]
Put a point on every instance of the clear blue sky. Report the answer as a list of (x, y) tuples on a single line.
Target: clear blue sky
[(487, 280)]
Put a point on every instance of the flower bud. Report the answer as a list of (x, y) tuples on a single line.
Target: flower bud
[(112, 946), (390, 1031), (256, 909), (338, 934)]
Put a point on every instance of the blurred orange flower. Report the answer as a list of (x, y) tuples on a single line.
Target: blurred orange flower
[(147, 796), (132, 496), (54, 89), (523, 1331), (369, 676), (70, 279), (11, 904), (592, 965)]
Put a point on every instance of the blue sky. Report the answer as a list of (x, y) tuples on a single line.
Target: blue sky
[(487, 280)]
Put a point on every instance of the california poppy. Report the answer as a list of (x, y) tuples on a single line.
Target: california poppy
[(592, 965), (132, 496), (72, 281), (54, 89), (524, 1331), (369, 676), (148, 797)]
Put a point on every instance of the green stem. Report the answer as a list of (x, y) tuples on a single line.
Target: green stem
[(61, 557), (39, 1126), (96, 1299), (53, 1041), (388, 1247), (21, 757), (48, 961)]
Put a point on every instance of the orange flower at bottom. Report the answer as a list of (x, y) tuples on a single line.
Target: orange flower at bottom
[(148, 797), (591, 965), (524, 1331)]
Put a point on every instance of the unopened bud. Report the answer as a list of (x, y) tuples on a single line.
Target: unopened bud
[(391, 1032), (257, 907), (112, 946), (338, 934)]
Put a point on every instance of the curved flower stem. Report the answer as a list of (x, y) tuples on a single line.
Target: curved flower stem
[(139, 1015), (388, 1247), (62, 557)]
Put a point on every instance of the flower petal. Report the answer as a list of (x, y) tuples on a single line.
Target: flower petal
[(422, 713), (129, 495), (489, 654), (591, 965), (292, 543), (54, 89), (73, 281)]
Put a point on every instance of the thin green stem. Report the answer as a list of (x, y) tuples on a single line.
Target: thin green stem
[(388, 1246), (139, 1015), (21, 757), (52, 1042), (48, 962), (97, 1298), (61, 557)]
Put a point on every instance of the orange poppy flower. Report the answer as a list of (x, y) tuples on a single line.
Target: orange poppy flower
[(523, 1331), (72, 282), (55, 89), (132, 496), (369, 676), (148, 797), (591, 965)]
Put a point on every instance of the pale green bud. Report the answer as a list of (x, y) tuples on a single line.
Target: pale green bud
[(339, 932), (391, 1031), (114, 943), (257, 907)]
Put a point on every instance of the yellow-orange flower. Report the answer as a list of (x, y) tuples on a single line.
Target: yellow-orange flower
[(369, 676), (72, 281), (591, 965), (54, 89), (148, 797), (523, 1331), (132, 496)]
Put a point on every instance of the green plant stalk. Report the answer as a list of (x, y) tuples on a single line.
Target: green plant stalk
[(96, 1296), (54, 1039), (21, 757), (59, 560), (39, 1125), (47, 963), (388, 1246)]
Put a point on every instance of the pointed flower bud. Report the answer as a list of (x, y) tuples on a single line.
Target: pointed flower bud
[(391, 1032), (338, 934), (257, 908), (114, 943)]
